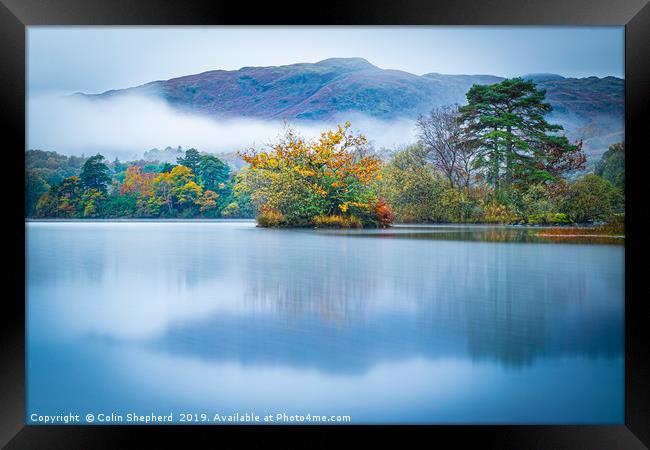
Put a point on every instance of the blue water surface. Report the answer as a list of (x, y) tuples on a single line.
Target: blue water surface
[(415, 324)]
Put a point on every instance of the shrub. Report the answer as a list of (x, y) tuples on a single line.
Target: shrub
[(412, 187), (337, 221), (538, 200), (271, 219), (591, 198), (385, 216), (456, 206), (548, 218), (497, 213)]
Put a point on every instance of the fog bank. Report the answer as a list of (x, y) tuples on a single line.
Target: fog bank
[(127, 126)]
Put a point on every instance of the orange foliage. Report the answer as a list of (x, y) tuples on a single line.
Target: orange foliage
[(385, 216), (137, 182)]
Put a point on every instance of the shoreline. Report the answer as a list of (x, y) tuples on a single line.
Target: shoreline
[(233, 220), (561, 236), (134, 219)]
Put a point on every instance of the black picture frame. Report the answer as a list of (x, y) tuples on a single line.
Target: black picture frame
[(16, 15)]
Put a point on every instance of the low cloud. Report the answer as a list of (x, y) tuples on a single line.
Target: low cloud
[(127, 126)]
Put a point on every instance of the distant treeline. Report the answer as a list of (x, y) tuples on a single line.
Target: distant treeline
[(198, 185), (495, 160)]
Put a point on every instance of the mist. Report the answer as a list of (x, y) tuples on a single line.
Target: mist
[(128, 125)]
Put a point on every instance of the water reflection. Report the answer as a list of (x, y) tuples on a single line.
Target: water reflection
[(346, 305), (343, 303), (484, 233)]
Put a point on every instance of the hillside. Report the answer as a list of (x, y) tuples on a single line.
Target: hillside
[(591, 108)]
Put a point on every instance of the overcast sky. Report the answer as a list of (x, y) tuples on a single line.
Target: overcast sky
[(96, 59)]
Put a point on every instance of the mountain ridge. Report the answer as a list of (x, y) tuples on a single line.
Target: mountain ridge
[(590, 108)]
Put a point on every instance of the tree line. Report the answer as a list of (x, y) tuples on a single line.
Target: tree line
[(495, 160), (199, 185)]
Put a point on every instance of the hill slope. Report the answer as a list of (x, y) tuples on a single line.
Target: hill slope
[(590, 108)]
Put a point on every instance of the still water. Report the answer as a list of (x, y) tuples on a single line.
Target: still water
[(416, 324)]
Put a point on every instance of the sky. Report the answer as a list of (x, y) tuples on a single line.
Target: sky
[(95, 59), (65, 60)]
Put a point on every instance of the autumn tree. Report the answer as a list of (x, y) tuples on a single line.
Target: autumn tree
[(175, 191), (137, 182), (62, 200), (207, 201), (161, 200), (553, 161), (301, 179)]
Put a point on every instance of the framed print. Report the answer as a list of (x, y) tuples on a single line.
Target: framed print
[(409, 219)]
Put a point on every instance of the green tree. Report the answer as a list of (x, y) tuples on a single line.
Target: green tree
[(240, 203), (95, 174), (166, 167), (418, 191), (51, 166), (35, 186), (191, 159), (212, 173), (231, 210), (505, 121), (611, 165), (118, 166), (591, 198)]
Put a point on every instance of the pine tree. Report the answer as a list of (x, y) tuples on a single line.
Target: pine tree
[(506, 123), (212, 172), (95, 174), (191, 160)]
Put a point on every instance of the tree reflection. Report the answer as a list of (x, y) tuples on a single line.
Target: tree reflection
[(336, 301), (341, 303)]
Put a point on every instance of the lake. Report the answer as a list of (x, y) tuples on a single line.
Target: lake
[(414, 324)]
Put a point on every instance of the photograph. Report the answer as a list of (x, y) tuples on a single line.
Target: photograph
[(325, 225)]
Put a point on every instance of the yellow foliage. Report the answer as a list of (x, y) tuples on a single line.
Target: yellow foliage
[(337, 221), (332, 156), (271, 218), (304, 178)]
